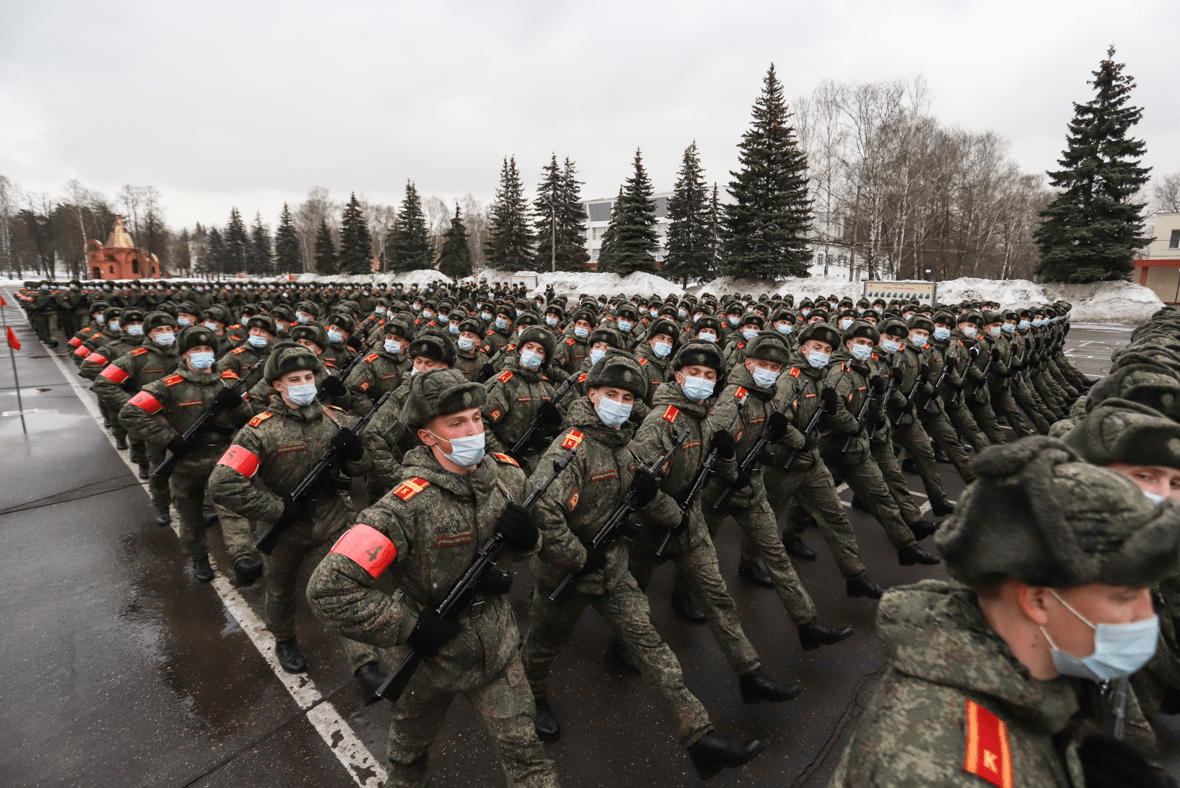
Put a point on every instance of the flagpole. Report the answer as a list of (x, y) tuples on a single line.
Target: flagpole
[(15, 377)]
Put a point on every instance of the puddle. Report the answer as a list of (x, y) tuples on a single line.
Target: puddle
[(42, 422)]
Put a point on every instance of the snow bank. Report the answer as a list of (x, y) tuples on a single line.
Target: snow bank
[(420, 277), (571, 284)]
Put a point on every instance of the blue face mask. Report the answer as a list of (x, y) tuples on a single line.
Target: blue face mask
[(530, 360), (550, 320), (707, 337), (613, 413), (302, 318), (581, 333), (661, 349), (1023, 325), (135, 331), (918, 342), (861, 352), (817, 359), (1009, 328), (201, 361), (697, 389), (392, 347), (942, 334), (301, 395), (466, 344), (733, 320), (625, 325), (165, 340), (465, 452), (596, 356), (1119, 649), (427, 315), (184, 321), (749, 333), (453, 328), (255, 341), (805, 312), (784, 328), (764, 378), (845, 323), (501, 323), (334, 336), (485, 316), (681, 313)]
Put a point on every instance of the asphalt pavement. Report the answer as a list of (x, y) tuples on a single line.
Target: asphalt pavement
[(118, 669)]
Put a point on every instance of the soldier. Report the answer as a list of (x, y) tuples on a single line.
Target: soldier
[(957, 357), (72, 309), (655, 355), (161, 413), (522, 392), (271, 455), (41, 306), (470, 358), (451, 501), (976, 392), (975, 665), (928, 406)]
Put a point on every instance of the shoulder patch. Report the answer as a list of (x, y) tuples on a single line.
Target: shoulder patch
[(139, 351), (582, 378), (671, 413), (504, 376), (794, 372), (172, 380), (371, 358), (504, 458), (573, 440), (410, 487), (238, 350), (571, 341), (741, 393), (261, 417), (229, 374), (643, 362), (988, 755)]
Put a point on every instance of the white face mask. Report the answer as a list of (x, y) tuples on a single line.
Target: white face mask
[(1119, 649), (861, 352), (393, 347), (302, 394), (184, 321), (257, 341), (969, 331), (465, 452), (707, 337), (613, 413), (135, 331), (596, 356), (166, 339), (201, 361), (581, 333), (817, 359), (334, 336), (890, 345), (466, 344), (764, 378), (749, 333), (530, 359), (994, 331)]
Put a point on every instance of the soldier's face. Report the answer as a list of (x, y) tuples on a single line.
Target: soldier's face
[(1156, 479), (1099, 603), (441, 430), (424, 364)]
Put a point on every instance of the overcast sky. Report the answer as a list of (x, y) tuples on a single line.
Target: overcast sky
[(251, 104)]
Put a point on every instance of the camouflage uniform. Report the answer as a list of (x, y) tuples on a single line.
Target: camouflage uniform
[(374, 375), (933, 418), (511, 406), (951, 395), (1000, 384), (436, 520), (976, 396), (909, 434)]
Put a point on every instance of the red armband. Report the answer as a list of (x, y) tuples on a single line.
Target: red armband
[(147, 402), (367, 547), (82, 352), (75, 342), (96, 358), (241, 460), (114, 374)]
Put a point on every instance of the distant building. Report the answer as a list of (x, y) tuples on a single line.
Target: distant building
[(119, 259), (598, 217), (1159, 267)]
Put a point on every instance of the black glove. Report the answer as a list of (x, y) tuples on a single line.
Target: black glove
[(550, 414), (293, 513), (179, 446), (228, 399), (831, 401), (354, 342), (431, 633), (779, 426), (333, 385), (516, 525), (924, 372), (724, 443), (646, 485), (808, 443), (487, 372), (995, 354), (350, 445), (743, 479), (1108, 762), (130, 386), (877, 384), (595, 560)]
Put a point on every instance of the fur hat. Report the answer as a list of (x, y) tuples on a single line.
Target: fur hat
[(193, 336), (433, 347), (289, 357), (153, 320), (862, 329), (1122, 431), (541, 336), (312, 332), (130, 315), (1038, 514), (608, 335), (440, 392), (265, 322), (769, 346), (698, 353), (620, 370), (821, 332)]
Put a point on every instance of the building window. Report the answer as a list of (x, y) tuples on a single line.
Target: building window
[(1175, 242), (112, 269), (135, 267)]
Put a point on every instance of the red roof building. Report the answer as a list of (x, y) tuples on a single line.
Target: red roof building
[(119, 259)]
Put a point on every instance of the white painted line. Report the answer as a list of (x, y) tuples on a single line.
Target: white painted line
[(341, 739)]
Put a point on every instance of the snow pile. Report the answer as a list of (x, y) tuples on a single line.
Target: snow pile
[(420, 277), (809, 287), (1108, 302), (571, 284)]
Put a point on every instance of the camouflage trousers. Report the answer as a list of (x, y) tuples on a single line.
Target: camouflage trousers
[(159, 488), (760, 539), (188, 496), (1004, 405), (899, 489), (939, 428), (1050, 393), (504, 705), (701, 576), (985, 417), (865, 479), (920, 449), (1031, 404), (816, 492), (45, 326), (964, 423), (625, 609)]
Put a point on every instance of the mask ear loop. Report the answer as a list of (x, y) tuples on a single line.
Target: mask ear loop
[(1070, 608)]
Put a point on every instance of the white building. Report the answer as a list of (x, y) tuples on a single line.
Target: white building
[(598, 218)]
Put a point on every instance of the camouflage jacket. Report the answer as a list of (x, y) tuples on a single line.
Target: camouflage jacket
[(377, 373), (658, 370), (97, 361), (803, 385), (262, 394), (243, 358), (429, 529), (852, 388), (470, 362), (129, 373), (568, 353), (913, 367), (165, 408), (270, 457), (512, 404), (387, 440)]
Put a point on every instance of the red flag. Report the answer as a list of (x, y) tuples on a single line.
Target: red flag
[(13, 342), (2, 301)]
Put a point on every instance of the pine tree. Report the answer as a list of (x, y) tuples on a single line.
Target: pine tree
[(287, 256), (546, 208), (716, 229), (1091, 230), (454, 260), (214, 252), (408, 246), (510, 240), (571, 222), (355, 242), (689, 249), (766, 224), (325, 251), (236, 243), (608, 253), (259, 261), (633, 220)]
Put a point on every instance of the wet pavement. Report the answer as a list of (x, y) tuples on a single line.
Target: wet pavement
[(116, 668)]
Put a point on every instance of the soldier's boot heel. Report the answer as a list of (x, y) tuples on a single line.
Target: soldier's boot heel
[(814, 634), (754, 574), (942, 508), (290, 657), (144, 472), (686, 608), (758, 685), (202, 572), (545, 723), (923, 528), (797, 547), (163, 517), (716, 751), (246, 571), (616, 651), (370, 677), (916, 554), (863, 586)]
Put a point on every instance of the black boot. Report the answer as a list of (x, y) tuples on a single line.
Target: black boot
[(545, 724), (859, 505), (686, 608), (368, 675), (758, 685), (616, 651), (909, 465), (755, 575), (106, 423), (211, 518), (862, 585), (246, 571), (916, 554), (797, 547), (942, 508), (1170, 702), (202, 572), (290, 657), (923, 528), (940, 456), (716, 751), (813, 634), (163, 516), (121, 444), (144, 473)]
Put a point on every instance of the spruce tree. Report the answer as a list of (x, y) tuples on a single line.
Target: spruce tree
[(214, 253), (454, 260), (409, 247), (608, 253), (716, 229), (510, 239), (325, 251), (546, 207), (571, 222), (1092, 228), (259, 261), (766, 224), (355, 242), (633, 222), (689, 248), (287, 256), (237, 240)]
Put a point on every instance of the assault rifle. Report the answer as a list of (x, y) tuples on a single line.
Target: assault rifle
[(483, 378), (860, 417), (813, 424), (755, 452), (464, 588), (305, 492), (164, 470), (909, 399), (986, 368), (526, 437), (946, 367), (698, 484), (613, 526), (894, 370)]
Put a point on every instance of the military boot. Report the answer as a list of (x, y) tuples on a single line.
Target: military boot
[(758, 685), (202, 572), (686, 608), (163, 516), (916, 554), (797, 547), (754, 574), (210, 517), (923, 528), (859, 505), (862, 586), (144, 472), (814, 634), (290, 657), (246, 571), (121, 444), (546, 725), (909, 465), (716, 751), (942, 508), (369, 676)]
